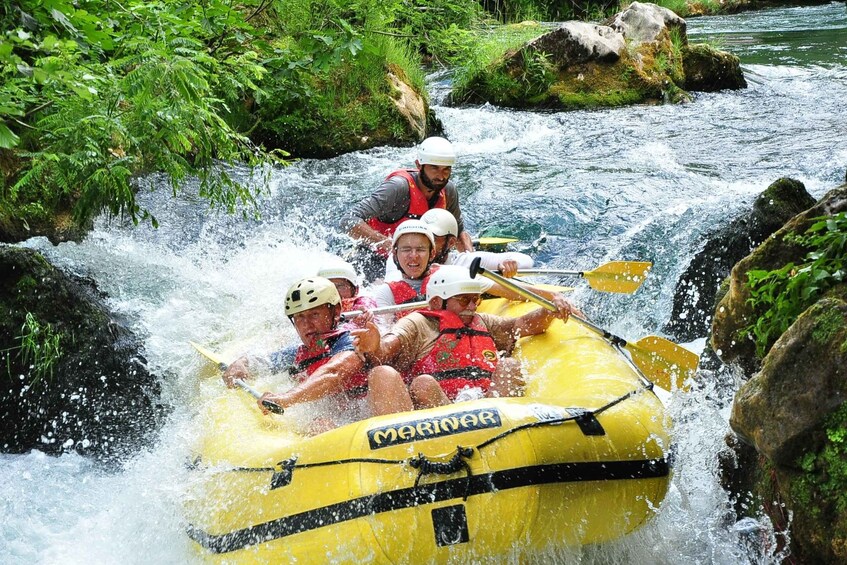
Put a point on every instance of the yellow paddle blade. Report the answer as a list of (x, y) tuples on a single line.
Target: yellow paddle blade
[(663, 362), (210, 355), (495, 240), (618, 276)]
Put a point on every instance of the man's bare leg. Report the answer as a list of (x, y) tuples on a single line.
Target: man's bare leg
[(507, 379), (427, 393), (387, 392)]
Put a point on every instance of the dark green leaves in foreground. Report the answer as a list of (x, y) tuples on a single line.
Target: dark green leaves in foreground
[(94, 92), (778, 297)]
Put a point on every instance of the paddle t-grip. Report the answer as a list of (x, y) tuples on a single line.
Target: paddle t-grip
[(476, 267)]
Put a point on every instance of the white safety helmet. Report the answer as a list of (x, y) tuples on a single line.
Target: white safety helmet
[(339, 269), (436, 151), (441, 222), (310, 293), (412, 226), (452, 280)]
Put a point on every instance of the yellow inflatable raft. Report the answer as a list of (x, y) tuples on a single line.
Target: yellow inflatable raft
[(583, 457)]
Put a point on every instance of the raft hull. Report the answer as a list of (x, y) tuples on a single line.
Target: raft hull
[(582, 458)]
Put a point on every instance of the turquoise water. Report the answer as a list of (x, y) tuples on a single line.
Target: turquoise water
[(579, 188)]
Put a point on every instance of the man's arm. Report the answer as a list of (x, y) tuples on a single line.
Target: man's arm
[(537, 321), (464, 242), (377, 350), (328, 379), (388, 203), (366, 234)]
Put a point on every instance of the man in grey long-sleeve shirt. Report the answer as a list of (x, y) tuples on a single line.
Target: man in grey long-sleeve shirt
[(405, 195)]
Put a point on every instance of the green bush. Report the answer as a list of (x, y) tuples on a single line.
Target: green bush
[(94, 92), (778, 297)]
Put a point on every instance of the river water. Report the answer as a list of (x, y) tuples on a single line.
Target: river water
[(579, 188)]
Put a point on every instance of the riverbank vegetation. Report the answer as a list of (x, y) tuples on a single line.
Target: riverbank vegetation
[(779, 296), (95, 93)]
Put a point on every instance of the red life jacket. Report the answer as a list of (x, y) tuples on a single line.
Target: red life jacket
[(462, 356), (405, 294), (307, 360), (418, 205)]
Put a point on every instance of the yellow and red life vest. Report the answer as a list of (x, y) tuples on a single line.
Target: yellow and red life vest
[(462, 356), (418, 205), (307, 360)]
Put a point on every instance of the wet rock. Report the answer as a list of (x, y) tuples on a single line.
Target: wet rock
[(793, 411), (709, 70), (694, 297), (803, 380), (76, 378)]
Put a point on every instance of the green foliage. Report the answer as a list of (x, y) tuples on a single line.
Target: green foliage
[(442, 29), (40, 349), (324, 108), (778, 297), (508, 11), (95, 92), (825, 479), (489, 48)]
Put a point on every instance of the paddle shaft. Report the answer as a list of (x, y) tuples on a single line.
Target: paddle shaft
[(270, 405), (661, 359), (386, 309), (532, 297), (550, 272)]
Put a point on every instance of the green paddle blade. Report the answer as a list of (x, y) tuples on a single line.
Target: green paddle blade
[(210, 355), (618, 276), (663, 362)]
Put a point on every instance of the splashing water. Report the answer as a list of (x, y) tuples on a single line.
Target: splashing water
[(638, 183)]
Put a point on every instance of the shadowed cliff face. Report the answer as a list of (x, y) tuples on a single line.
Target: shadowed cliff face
[(77, 380)]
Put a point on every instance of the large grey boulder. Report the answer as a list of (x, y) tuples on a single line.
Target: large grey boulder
[(574, 43), (645, 23)]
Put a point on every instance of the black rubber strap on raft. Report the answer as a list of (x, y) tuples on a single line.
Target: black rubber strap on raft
[(469, 373), (457, 463), (427, 494)]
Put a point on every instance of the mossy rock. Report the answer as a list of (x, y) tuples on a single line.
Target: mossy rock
[(710, 70), (348, 110)]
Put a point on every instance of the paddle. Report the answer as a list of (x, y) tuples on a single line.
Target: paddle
[(385, 309), (222, 365), (615, 276), (494, 240), (663, 361)]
